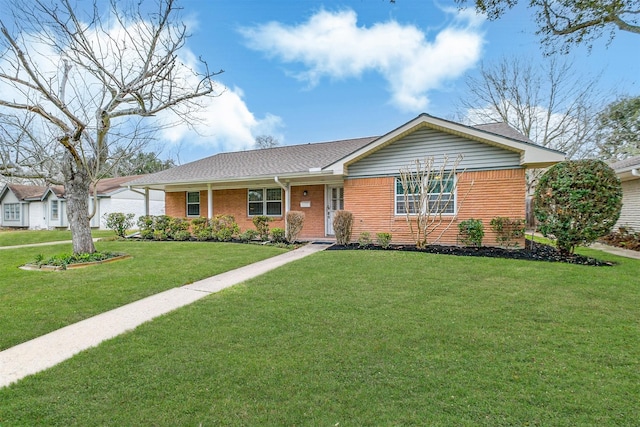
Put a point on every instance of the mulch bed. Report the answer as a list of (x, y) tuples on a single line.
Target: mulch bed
[(533, 251)]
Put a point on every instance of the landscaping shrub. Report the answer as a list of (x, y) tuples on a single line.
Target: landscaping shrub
[(278, 235), (159, 235), (471, 232), (182, 235), (248, 235), (383, 239), (625, 238), (145, 225), (224, 227), (177, 226), (119, 222), (161, 227), (364, 240), (508, 231), (576, 202), (201, 228), (343, 226), (295, 222), (262, 226)]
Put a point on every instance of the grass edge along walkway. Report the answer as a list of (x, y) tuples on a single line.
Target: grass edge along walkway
[(48, 350)]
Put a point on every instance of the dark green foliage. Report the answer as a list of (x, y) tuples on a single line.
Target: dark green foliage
[(224, 227), (63, 260), (119, 222), (278, 235), (576, 202), (201, 228), (508, 230), (364, 240), (262, 226), (471, 232), (384, 239), (145, 225), (248, 235), (343, 226)]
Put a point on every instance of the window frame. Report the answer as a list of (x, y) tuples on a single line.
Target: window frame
[(188, 204), (12, 212), (56, 216), (264, 201), (399, 197)]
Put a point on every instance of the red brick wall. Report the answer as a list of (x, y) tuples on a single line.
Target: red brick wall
[(314, 216), (480, 195)]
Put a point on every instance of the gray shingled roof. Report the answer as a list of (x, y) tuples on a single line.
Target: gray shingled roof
[(631, 162), (288, 159), (503, 129), (26, 192)]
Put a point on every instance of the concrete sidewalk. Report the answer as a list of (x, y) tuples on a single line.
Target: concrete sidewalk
[(31, 245), (48, 350)]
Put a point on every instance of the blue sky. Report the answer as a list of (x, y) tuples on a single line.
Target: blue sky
[(310, 71)]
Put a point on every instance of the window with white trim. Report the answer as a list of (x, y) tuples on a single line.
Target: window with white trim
[(12, 212), (55, 210), (264, 201), (193, 203), (440, 198)]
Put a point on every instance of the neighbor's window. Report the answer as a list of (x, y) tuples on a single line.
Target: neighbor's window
[(193, 203), (439, 199), (265, 201), (12, 212), (54, 210)]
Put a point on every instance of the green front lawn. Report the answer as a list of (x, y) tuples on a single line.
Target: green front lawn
[(368, 338), (25, 237), (33, 303)]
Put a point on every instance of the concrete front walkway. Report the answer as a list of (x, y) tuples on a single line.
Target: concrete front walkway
[(48, 350)]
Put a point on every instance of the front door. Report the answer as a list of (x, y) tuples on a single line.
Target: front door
[(335, 202)]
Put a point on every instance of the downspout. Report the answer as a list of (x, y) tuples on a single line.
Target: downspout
[(209, 201), (287, 198)]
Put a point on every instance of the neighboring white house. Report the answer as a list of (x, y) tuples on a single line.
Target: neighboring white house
[(628, 171), (36, 207)]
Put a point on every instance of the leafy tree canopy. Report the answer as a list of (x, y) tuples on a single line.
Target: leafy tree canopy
[(564, 23), (619, 129)]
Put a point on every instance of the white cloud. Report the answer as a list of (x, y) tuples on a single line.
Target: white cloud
[(331, 44), (226, 123)]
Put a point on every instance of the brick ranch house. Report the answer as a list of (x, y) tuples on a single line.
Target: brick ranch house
[(360, 176)]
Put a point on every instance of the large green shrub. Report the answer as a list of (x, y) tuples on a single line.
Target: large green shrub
[(201, 228), (576, 202), (145, 225), (224, 228), (471, 232), (343, 226), (119, 222)]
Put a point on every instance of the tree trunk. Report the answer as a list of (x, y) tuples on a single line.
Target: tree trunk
[(76, 188)]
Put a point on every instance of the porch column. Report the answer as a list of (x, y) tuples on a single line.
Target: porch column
[(146, 201), (209, 201)]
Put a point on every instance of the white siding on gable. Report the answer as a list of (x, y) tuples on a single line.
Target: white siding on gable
[(428, 142), (630, 213)]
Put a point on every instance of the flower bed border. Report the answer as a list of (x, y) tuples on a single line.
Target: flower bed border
[(45, 267)]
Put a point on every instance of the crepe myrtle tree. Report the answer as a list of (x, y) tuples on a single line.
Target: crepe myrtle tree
[(86, 77)]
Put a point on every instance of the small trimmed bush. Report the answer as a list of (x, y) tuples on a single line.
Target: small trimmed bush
[(576, 202), (262, 226), (343, 226), (364, 240), (145, 225), (248, 235), (383, 239), (224, 227), (119, 222), (177, 226), (508, 230), (295, 222), (278, 235), (182, 235), (201, 228), (471, 232)]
